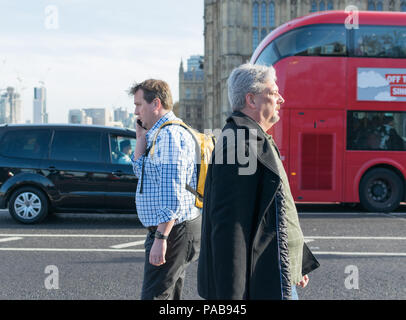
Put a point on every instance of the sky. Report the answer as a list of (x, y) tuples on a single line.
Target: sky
[(88, 53)]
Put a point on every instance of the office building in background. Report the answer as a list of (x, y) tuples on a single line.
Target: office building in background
[(40, 114), (10, 106)]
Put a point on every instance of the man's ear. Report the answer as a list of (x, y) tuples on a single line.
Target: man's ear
[(157, 104), (250, 100)]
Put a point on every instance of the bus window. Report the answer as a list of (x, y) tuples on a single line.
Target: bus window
[(380, 41), (269, 56), (376, 130), (315, 40)]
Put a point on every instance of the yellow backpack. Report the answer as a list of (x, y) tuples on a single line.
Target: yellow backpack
[(205, 143)]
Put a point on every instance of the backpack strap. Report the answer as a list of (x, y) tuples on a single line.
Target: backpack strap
[(142, 169), (197, 194), (176, 122)]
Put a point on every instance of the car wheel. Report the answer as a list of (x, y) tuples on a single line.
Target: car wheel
[(381, 190), (28, 205)]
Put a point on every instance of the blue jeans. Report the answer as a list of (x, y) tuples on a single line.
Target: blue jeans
[(294, 293)]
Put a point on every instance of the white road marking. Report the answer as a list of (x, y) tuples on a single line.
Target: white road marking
[(10, 239), (337, 253), (117, 248), (126, 245), (72, 250), (75, 235), (123, 247), (358, 214), (307, 239), (352, 238), (342, 253)]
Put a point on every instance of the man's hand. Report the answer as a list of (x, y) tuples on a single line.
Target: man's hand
[(140, 130), (158, 252), (304, 281), (141, 144)]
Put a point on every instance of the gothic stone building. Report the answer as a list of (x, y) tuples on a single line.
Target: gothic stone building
[(191, 92), (234, 28)]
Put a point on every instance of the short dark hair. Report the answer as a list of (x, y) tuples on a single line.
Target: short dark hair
[(153, 89), (124, 144)]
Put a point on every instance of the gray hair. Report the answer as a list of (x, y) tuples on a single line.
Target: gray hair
[(247, 78)]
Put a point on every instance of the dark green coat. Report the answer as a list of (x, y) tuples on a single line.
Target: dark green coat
[(244, 248)]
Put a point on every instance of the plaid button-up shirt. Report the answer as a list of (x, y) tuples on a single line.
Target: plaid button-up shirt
[(166, 174)]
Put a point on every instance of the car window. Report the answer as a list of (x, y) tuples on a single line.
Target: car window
[(122, 148), (76, 146), (32, 144)]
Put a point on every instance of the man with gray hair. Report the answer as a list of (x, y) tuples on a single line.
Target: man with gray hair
[(252, 245)]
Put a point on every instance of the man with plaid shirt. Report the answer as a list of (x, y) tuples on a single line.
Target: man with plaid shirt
[(164, 205)]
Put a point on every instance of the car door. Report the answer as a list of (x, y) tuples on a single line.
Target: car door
[(76, 169), (21, 152), (122, 183)]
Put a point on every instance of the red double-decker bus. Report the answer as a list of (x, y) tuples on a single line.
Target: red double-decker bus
[(342, 132)]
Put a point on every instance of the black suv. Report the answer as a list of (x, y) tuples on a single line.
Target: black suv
[(65, 168)]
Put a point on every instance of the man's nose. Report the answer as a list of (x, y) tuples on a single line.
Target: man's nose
[(281, 100)]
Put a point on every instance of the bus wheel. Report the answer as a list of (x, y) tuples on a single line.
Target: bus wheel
[(381, 190)]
